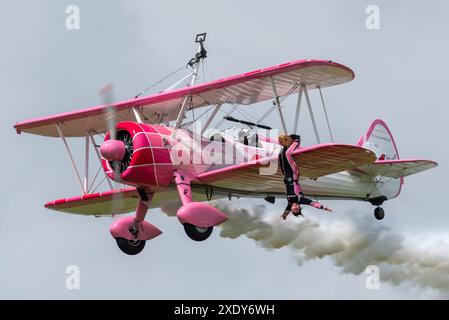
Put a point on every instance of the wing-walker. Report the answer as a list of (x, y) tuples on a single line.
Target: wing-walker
[(159, 149)]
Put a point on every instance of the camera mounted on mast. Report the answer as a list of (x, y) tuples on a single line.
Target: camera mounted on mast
[(202, 53)]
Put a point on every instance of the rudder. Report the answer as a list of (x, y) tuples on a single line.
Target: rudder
[(379, 139)]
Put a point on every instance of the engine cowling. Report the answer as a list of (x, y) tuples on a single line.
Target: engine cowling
[(146, 160)]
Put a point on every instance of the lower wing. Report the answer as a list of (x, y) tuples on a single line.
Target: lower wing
[(314, 162)]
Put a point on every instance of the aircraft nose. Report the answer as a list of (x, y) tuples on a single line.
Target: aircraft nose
[(113, 150)]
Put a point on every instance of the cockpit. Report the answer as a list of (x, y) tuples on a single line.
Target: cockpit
[(248, 137)]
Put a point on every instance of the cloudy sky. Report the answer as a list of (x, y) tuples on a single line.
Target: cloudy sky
[(46, 68)]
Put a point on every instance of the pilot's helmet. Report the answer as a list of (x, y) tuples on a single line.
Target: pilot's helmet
[(243, 133)]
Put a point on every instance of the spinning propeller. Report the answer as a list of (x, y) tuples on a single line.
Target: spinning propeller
[(119, 145)]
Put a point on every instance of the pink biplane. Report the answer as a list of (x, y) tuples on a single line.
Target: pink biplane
[(151, 148)]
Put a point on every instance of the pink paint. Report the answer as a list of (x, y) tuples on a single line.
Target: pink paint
[(182, 181), (142, 208), (316, 205), (113, 150), (120, 229), (162, 130), (140, 176), (150, 164), (294, 166), (88, 197), (268, 139), (140, 140), (200, 214)]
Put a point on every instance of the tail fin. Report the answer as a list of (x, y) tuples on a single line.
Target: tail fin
[(379, 139)]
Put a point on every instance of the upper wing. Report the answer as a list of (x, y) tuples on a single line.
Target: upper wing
[(247, 88), (313, 162), (397, 168)]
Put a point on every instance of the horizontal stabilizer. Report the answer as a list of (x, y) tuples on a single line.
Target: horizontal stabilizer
[(397, 168)]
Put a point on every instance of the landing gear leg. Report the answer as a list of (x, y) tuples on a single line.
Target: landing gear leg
[(379, 213), (194, 231), (131, 232)]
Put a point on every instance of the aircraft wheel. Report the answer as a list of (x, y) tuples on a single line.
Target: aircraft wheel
[(131, 247), (197, 233), (379, 213)]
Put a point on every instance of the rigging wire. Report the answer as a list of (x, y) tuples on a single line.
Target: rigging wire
[(202, 69), (227, 114), (265, 115), (99, 184), (240, 110), (273, 107), (207, 111), (159, 81), (95, 178), (375, 187), (208, 70)]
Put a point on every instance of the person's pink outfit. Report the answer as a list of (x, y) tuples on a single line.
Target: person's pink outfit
[(294, 166)]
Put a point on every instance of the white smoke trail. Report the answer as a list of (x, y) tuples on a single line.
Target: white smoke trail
[(170, 207), (351, 243)]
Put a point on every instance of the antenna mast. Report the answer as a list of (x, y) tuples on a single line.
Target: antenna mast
[(194, 63)]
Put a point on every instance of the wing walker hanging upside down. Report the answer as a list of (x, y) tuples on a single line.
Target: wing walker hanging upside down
[(290, 171)]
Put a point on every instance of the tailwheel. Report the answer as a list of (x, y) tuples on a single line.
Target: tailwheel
[(379, 213), (197, 233), (131, 247)]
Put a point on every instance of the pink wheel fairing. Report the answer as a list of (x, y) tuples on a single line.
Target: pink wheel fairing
[(200, 214), (120, 229)]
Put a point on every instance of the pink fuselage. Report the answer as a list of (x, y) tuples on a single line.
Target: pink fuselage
[(157, 156)]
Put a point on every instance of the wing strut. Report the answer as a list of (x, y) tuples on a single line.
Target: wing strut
[(298, 107), (137, 115), (309, 105), (86, 165), (92, 139), (212, 116), (325, 114), (278, 105), (75, 169)]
